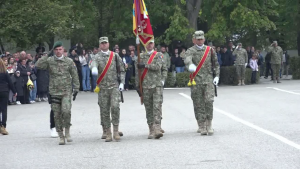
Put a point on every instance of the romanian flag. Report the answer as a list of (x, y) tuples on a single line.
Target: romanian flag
[(141, 22)]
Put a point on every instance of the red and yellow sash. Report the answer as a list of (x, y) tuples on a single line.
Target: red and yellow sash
[(149, 62), (106, 68), (193, 75)]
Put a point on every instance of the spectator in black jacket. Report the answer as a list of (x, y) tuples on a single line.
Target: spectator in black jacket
[(25, 72), (226, 57), (75, 57), (5, 85), (177, 61)]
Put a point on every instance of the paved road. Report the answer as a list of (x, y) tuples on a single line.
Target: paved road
[(256, 126)]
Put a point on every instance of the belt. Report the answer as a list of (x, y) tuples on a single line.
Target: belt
[(84, 65)]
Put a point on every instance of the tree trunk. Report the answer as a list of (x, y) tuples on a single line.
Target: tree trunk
[(193, 8), (51, 43), (2, 47)]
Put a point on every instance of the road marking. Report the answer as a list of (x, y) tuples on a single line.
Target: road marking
[(283, 90), (267, 132)]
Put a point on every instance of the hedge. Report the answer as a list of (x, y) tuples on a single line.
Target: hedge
[(295, 67), (228, 76)]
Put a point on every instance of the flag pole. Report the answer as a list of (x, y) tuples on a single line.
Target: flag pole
[(139, 70)]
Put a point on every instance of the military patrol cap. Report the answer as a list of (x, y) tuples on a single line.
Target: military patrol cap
[(103, 39), (198, 35), (240, 44), (57, 44), (275, 42)]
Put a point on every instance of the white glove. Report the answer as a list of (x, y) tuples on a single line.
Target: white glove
[(163, 83), (94, 71), (121, 87), (237, 47), (246, 64), (192, 68), (216, 81)]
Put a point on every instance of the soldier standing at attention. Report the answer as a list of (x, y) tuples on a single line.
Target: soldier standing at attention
[(276, 60), (108, 63), (62, 72), (240, 62), (202, 91), (153, 79)]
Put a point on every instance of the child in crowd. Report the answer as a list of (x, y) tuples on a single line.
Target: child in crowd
[(19, 85), (254, 67)]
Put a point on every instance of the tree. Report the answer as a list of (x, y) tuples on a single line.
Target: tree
[(28, 22)]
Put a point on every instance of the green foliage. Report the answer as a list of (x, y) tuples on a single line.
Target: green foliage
[(228, 76), (27, 22), (177, 29), (295, 67)]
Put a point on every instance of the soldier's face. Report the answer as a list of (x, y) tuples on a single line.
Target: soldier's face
[(59, 51), (163, 49), (150, 46), (199, 42), (104, 46)]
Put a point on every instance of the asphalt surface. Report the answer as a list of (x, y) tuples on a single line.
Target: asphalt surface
[(256, 127)]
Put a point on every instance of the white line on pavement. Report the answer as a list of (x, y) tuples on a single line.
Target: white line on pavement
[(283, 90), (274, 135)]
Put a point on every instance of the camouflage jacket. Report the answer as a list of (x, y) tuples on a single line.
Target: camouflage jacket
[(110, 79), (62, 72), (276, 54), (193, 56), (157, 71), (241, 56), (167, 60)]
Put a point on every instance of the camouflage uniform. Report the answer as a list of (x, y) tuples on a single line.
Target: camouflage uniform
[(153, 91), (109, 96), (167, 59), (62, 73), (276, 60), (202, 93), (241, 60), (164, 77)]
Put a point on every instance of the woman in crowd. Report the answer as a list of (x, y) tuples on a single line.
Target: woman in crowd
[(128, 67), (33, 78), (11, 68), (42, 83), (25, 72), (5, 85), (84, 60)]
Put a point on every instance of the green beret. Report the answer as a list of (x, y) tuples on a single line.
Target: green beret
[(57, 44)]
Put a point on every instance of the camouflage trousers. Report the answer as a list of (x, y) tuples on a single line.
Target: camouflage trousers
[(203, 98), (276, 70), (153, 104), (240, 70), (109, 101), (61, 106)]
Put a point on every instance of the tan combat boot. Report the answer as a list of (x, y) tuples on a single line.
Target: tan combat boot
[(210, 130), (61, 138), (243, 82), (278, 81), (3, 130), (202, 128), (157, 133), (116, 133), (239, 83), (103, 133), (151, 131), (67, 134), (108, 135)]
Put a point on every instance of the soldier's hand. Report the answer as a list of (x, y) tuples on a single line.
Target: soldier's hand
[(141, 65), (74, 95)]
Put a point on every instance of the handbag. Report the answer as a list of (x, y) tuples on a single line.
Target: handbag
[(33, 77)]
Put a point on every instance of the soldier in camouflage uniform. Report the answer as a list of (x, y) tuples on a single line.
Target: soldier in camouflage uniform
[(240, 62), (152, 88), (109, 97), (276, 60), (62, 73), (202, 93)]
